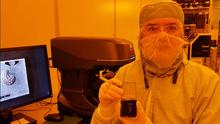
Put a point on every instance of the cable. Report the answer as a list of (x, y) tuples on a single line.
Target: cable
[(58, 77), (56, 18), (45, 103), (46, 113), (41, 103), (26, 110), (19, 122), (115, 19), (50, 60), (49, 104)]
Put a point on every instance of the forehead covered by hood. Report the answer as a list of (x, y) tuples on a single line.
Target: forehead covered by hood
[(153, 9)]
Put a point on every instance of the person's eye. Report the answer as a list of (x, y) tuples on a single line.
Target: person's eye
[(171, 28), (152, 28)]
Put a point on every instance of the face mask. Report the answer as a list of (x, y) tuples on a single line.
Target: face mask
[(161, 49)]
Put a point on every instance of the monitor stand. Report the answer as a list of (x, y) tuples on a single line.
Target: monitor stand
[(5, 117), (8, 118)]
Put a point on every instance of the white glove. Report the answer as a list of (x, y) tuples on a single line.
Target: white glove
[(141, 117), (110, 93)]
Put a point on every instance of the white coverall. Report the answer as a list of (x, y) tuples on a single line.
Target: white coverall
[(194, 99)]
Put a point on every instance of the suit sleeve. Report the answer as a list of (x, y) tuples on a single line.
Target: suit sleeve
[(103, 116)]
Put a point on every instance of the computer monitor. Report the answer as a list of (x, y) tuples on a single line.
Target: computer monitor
[(200, 46), (25, 77)]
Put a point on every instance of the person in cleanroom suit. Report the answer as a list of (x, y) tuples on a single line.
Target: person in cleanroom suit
[(169, 88)]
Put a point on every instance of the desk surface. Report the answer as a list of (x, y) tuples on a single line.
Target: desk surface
[(37, 111)]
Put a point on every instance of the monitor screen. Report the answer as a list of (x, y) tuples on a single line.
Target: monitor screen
[(25, 76)]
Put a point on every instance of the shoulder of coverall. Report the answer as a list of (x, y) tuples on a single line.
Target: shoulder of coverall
[(200, 68), (200, 76)]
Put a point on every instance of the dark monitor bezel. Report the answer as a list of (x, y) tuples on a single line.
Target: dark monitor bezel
[(26, 48)]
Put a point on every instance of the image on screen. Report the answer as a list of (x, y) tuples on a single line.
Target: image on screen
[(13, 82)]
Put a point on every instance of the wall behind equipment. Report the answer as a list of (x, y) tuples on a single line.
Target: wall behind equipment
[(26, 23)]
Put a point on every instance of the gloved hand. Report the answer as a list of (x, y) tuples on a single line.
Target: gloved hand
[(110, 93), (141, 117)]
